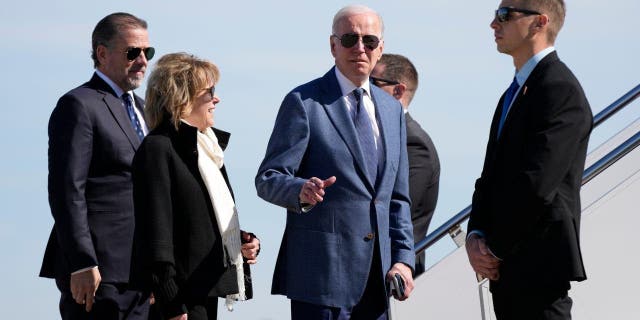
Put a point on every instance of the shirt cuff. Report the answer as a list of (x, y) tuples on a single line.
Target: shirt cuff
[(83, 270), (478, 232), (305, 207)]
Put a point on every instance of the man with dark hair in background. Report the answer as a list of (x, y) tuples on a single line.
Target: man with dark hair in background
[(396, 75)]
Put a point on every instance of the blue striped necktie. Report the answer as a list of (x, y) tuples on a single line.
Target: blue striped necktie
[(364, 130), (128, 103), (506, 103)]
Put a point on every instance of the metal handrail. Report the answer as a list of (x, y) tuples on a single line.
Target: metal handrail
[(616, 106), (453, 224)]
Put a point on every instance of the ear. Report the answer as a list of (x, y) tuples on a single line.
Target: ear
[(332, 44), (399, 90), (101, 54), (542, 21)]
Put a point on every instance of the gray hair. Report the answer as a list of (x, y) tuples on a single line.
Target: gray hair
[(351, 10)]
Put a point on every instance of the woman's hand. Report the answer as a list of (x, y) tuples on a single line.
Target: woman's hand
[(180, 317), (250, 247)]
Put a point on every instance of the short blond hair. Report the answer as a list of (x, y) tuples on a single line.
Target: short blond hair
[(173, 85), (555, 9)]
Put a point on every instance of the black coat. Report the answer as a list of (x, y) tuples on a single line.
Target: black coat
[(527, 200), (177, 248), (91, 145), (424, 177)]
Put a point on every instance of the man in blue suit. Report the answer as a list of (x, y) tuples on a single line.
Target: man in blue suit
[(337, 161), (94, 132)]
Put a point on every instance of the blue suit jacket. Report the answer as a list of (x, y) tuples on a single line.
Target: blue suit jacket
[(91, 147), (326, 253)]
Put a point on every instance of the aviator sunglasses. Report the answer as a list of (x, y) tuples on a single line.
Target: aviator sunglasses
[(503, 14), (134, 52), (380, 82), (211, 91), (349, 40)]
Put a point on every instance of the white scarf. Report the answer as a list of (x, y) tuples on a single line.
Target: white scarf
[(210, 160)]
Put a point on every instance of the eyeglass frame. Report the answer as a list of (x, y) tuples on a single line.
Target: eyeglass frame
[(211, 91), (387, 82), (149, 52), (342, 39), (508, 10)]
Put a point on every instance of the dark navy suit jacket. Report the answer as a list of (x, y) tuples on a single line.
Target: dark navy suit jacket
[(326, 253), (91, 147)]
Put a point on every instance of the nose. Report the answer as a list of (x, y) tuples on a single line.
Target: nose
[(360, 45), (142, 58), (494, 24), (215, 100)]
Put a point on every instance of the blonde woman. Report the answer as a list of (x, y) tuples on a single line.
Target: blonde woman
[(188, 248)]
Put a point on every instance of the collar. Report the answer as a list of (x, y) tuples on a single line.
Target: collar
[(527, 68), (116, 89), (346, 86)]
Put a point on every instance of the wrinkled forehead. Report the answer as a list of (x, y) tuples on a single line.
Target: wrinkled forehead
[(363, 23), (131, 37)]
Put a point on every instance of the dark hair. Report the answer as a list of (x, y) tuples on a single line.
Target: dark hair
[(110, 27), (399, 68)]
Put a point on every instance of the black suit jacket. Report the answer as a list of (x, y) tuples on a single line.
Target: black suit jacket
[(91, 146), (177, 249), (527, 200), (424, 177)]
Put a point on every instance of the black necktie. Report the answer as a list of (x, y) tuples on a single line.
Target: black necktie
[(128, 103), (362, 123)]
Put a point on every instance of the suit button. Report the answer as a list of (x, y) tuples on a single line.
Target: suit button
[(369, 236)]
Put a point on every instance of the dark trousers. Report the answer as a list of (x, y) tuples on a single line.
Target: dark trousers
[(549, 305), (372, 306), (112, 302), (205, 310)]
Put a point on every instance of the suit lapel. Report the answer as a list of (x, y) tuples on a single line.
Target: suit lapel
[(338, 113), (116, 108), (525, 90), (384, 116)]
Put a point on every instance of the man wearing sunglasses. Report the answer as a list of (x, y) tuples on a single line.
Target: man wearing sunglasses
[(396, 75), (337, 161), (525, 217), (94, 132)]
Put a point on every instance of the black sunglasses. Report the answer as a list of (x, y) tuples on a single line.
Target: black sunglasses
[(349, 40), (134, 52), (211, 91), (503, 14), (380, 82)]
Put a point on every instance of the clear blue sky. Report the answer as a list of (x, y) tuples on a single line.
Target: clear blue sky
[(264, 49)]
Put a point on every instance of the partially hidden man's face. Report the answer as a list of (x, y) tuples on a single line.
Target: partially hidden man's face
[(128, 75), (357, 62), (378, 72)]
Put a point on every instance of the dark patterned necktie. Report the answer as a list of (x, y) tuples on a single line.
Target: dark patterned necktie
[(128, 103), (506, 103), (365, 135)]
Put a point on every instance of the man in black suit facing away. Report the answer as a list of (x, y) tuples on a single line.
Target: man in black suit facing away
[(525, 217), (94, 132), (396, 75)]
